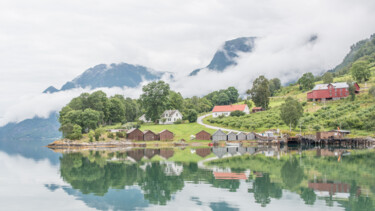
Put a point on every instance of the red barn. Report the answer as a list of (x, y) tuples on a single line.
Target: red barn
[(149, 136), (166, 135), (134, 134), (203, 135), (333, 91)]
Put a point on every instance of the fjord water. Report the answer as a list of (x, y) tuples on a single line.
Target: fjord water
[(245, 178)]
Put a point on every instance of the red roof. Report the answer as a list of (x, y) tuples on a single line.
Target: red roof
[(257, 108), (229, 108)]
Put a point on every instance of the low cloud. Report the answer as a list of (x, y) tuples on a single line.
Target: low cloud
[(42, 44), (42, 105)]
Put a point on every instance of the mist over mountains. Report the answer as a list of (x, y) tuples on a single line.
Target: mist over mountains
[(230, 66)]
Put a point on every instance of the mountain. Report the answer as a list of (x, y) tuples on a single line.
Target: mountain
[(226, 56), (50, 89), (362, 48), (32, 129), (113, 75)]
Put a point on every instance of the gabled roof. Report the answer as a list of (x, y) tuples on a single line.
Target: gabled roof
[(165, 131), (241, 133), (219, 132), (336, 85), (203, 131), (231, 132), (169, 113), (133, 129), (148, 131), (229, 108)]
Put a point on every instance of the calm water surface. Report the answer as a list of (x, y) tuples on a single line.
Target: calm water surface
[(232, 178)]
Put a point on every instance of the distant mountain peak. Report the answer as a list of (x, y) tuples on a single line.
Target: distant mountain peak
[(112, 75), (227, 54), (50, 89)]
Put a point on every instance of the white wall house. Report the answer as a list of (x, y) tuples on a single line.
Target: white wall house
[(227, 109), (143, 118), (170, 117)]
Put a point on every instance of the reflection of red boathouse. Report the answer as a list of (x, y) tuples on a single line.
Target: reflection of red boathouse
[(203, 152), (229, 175), (332, 188)]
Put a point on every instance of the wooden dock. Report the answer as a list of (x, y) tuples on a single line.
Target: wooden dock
[(339, 142)]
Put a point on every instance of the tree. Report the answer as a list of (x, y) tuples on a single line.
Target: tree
[(175, 100), (116, 110), (221, 99), (76, 133), (327, 78), (90, 119), (351, 90), (131, 109), (232, 94), (306, 82), (260, 92), (291, 112), (360, 70), (275, 84), (192, 115), (154, 99), (98, 101)]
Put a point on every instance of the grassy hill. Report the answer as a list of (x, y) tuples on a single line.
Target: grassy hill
[(342, 113)]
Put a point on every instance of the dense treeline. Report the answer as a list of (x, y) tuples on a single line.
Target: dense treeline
[(90, 111)]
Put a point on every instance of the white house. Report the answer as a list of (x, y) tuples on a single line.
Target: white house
[(143, 118), (170, 117), (226, 109)]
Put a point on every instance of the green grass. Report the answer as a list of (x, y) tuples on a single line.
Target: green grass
[(181, 131)]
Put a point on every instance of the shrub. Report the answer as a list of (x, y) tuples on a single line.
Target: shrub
[(237, 113), (179, 121), (98, 133), (91, 136), (110, 135), (120, 135)]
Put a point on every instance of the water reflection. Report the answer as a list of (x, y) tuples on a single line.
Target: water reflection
[(160, 174)]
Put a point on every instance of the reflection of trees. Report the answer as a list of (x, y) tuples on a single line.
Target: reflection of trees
[(357, 201), (95, 177), (264, 190), (232, 185), (292, 173), (158, 187), (308, 195)]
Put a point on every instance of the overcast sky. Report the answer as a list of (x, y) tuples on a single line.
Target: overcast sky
[(45, 43)]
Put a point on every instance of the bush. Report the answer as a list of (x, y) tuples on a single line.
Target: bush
[(76, 133), (304, 104), (98, 133), (120, 135), (237, 113), (91, 136), (110, 135), (179, 121)]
